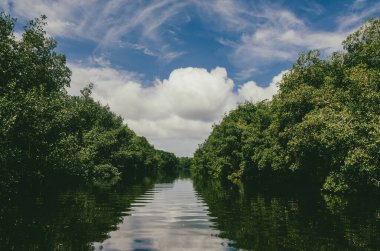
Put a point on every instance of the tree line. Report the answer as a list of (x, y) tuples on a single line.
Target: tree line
[(48, 136), (322, 128)]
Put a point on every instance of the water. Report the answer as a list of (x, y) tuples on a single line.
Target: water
[(166, 217), (189, 215), (292, 219)]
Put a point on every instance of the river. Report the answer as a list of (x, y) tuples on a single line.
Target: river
[(166, 217), (189, 215)]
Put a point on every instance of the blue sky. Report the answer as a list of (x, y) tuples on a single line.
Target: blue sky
[(173, 68)]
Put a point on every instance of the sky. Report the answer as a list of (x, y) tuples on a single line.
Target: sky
[(174, 68)]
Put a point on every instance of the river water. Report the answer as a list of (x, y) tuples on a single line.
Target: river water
[(189, 215), (166, 217)]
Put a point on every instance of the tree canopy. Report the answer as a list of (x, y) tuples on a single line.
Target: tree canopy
[(323, 127), (48, 136)]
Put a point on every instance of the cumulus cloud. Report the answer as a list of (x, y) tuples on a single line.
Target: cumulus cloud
[(175, 114), (252, 92)]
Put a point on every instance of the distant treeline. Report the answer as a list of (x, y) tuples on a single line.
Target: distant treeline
[(48, 136), (322, 128)]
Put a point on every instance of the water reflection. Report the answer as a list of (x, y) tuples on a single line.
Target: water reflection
[(69, 220), (191, 215), (167, 217), (291, 220)]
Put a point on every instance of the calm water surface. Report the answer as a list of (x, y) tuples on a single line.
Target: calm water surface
[(166, 217), (189, 215)]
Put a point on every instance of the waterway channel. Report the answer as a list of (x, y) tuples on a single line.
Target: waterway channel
[(189, 215)]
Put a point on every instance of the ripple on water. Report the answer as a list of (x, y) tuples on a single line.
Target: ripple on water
[(167, 217)]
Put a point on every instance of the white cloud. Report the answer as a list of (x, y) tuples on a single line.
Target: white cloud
[(312, 7), (138, 47), (100, 74), (106, 22), (4, 4), (176, 114), (62, 13), (245, 74), (353, 20), (226, 14), (272, 33), (262, 32), (252, 92), (358, 4), (281, 38)]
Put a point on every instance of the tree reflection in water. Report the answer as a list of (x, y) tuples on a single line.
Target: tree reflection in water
[(69, 220), (260, 219)]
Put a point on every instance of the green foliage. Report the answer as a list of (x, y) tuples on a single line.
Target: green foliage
[(321, 128), (363, 45), (185, 163), (47, 136), (288, 219), (232, 148)]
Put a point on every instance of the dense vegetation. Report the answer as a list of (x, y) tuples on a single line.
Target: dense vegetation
[(323, 127), (290, 219), (48, 136)]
